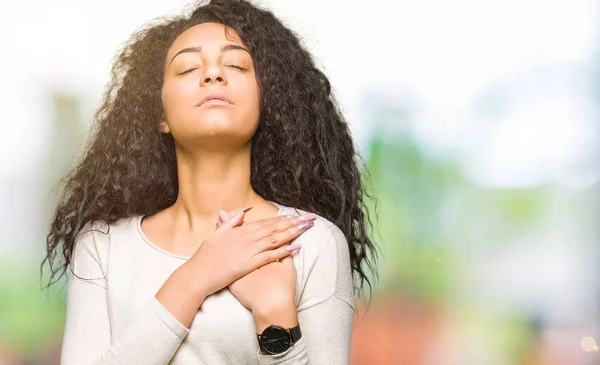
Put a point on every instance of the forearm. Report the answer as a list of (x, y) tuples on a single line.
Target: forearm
[(283, 314), (152, 338), (181, 294), (326, 333)]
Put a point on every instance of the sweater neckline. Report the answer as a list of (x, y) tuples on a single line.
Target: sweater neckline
[(140, 217)]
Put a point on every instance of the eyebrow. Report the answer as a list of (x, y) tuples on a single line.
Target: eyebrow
[(198, 49)]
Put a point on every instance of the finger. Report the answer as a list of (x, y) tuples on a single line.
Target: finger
[(229, 224), (251, 228), (273, 220), (269, 222), (223, 215), (228, 215), (235, 220), (281, 238), (267, 257), (289, 260), (283, 225)]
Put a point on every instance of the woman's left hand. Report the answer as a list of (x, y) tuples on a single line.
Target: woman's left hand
[(269, 291)]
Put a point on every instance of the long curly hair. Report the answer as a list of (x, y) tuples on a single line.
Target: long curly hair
[(302, 153)]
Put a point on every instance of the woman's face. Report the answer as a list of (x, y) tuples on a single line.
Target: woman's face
[(210, 96)]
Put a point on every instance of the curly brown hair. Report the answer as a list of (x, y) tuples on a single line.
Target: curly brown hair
[(302, 152)]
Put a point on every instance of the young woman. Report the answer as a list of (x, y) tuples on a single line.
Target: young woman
[(218, 152)]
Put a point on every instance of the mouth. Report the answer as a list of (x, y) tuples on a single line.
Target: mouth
[(215, 99)]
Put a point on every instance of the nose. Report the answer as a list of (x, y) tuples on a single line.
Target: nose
[(213, 74)]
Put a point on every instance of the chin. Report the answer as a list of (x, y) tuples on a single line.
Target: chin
[(216, 122), (214, 114)]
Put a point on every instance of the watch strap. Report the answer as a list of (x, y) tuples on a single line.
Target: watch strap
[(295, 333), (260, 343)]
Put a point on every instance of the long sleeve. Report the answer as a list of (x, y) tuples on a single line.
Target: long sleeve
[(151, 339), (326, 301)]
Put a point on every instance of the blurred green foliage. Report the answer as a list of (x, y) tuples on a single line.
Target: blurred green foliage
[(430, 214), (30, 320)]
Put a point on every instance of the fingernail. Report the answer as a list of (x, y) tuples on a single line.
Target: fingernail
[(303, 226), (245, 210), (307, 217), (292, 248)]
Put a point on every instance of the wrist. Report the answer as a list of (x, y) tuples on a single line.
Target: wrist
[(280, 313), (194, 286)]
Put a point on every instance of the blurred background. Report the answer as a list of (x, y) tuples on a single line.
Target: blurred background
[(478, 122)]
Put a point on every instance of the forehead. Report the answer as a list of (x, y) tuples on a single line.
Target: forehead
[(205, 34)]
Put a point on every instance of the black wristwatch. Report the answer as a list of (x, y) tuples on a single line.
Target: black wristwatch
[(275, 340)]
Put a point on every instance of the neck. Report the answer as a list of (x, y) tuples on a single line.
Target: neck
[(210, 181)]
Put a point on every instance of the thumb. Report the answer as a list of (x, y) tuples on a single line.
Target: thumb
[(289, 260), (232, 220), (224, 215)]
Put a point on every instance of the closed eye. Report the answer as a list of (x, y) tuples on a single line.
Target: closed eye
[(187, 71), (231, 66), (237, 67)]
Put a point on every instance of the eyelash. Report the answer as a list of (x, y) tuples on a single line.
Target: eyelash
[(187, 71), (231, 66)]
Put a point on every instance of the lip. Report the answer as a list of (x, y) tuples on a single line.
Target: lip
[(215, 99)]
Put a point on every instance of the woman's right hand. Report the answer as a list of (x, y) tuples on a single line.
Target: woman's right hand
[(237, 249)]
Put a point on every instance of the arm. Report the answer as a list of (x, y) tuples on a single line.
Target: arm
[(326, 306), (160, 327), (151, 339), (326, 330)]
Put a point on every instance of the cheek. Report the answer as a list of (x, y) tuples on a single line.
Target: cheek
[(174, 97), (253, 110), (251, 97), (168, 99)]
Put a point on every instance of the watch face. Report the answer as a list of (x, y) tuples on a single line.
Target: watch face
[(275, 340)]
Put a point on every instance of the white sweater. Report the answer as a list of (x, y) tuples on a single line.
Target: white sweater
[(113, 317)]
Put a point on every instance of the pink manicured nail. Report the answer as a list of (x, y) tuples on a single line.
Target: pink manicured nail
[(303, 226), (294, 247), (245, 210), (307, 217)]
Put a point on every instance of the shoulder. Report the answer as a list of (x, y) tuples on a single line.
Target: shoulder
[(92, 246), (322, 225), (323, 263), (96, 233), (324, 234)]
